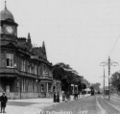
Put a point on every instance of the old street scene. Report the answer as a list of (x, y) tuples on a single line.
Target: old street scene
[(60, 57)]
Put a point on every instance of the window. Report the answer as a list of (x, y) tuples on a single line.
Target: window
[(35, 69), (45, 71), (23, 65), (32, 68), (9, 60), (29, 67)]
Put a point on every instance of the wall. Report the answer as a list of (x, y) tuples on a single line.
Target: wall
[(17, 95)]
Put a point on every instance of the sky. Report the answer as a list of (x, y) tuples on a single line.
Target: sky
[(81, 33)]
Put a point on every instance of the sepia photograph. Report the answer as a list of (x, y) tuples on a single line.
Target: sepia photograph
[(60, 56)]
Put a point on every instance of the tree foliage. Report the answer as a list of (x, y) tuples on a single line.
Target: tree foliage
[(96, 86), (67, 76), (115, 81)]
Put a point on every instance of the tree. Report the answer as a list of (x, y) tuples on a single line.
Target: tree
[(96, 87), (66, 75), (115, 81), (58, 73)]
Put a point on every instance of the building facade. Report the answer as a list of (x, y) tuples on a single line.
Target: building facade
[(25, 71)]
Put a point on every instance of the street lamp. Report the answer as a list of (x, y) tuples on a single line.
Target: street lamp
[(19, 85), (37, 79), (37, 82)]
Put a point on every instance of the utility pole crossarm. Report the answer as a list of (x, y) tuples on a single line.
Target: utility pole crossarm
[(103, 64), (114, 63)]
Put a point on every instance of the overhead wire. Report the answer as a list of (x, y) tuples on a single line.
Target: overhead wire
[(114, 45)]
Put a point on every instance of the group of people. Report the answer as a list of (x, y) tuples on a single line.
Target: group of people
[(66, 96), (3, 100)]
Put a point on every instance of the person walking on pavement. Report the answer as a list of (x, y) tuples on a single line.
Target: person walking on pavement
[(63, 96), (3, 100)]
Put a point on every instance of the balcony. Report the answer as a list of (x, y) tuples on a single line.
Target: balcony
[(15, 71), (8, 71)]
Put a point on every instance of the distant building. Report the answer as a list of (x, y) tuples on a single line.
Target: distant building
[(25, 71)]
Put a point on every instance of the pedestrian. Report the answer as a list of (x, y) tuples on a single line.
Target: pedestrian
[(54, 97), (68, 96), (76, 95), (63, 96), (58, 97), (3, 100)]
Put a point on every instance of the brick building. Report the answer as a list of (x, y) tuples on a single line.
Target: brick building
[(25, 71)]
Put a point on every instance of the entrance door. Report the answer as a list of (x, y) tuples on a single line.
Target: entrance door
[(8, 84), (7, 88)]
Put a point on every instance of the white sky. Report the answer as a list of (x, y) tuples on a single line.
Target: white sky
[(77, 32)]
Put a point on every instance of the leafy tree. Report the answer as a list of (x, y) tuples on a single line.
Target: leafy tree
[(115, 81), (58, 72), (96, 86), (66, 75)]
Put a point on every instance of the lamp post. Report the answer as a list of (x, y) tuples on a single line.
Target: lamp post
[(72, 86), (109, 71), (37, 82), (103, 81), (37, 79), (19, 86), (103, 65)]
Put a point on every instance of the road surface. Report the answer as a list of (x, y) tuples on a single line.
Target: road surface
[(87, 105)]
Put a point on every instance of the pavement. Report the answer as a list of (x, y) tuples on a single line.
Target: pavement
[(28, 106), (32, 106), (115, 96)]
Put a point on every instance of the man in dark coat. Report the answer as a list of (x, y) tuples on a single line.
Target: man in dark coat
[(3, 100), (63, 96)]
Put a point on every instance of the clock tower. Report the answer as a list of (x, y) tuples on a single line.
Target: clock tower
[(8, 26)]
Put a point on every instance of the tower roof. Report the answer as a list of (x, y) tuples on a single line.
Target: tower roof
[(5, 14)]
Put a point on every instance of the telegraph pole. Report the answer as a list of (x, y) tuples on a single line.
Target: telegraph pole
[(109, 71), (103, 81), (109, 64)]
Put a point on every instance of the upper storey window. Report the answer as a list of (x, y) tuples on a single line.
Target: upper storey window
[(23, 65), (9, 60)]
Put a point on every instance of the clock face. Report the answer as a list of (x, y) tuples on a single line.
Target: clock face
[(9, 29)]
